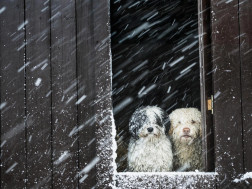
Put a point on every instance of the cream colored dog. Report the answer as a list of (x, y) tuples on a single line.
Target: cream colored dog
[(186, 133)]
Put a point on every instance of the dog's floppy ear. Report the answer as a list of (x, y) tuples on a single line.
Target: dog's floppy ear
[(166, 123), (200, 131), (136, 121), (171, 130), (200, 126), (133, 131), (171, 127)]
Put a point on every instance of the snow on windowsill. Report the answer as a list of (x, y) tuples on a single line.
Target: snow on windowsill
[(246, 176), (155, 180), (165, 173)]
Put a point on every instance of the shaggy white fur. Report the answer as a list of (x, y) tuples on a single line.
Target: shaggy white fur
[(149, 150), (186, 133)]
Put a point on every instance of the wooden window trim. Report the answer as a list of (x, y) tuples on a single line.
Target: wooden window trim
[(206, 83)]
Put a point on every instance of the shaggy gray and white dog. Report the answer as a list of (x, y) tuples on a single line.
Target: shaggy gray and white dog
[(186, 133), (150, 148)]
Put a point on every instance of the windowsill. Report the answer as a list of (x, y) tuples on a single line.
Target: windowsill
[(165, 179), (165, 173)]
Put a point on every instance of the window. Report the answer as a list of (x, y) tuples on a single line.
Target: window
[(57, 122), (155, 61), (227, 132)]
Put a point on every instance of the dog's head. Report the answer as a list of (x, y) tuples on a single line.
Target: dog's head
[(185, 125), (148, 122)]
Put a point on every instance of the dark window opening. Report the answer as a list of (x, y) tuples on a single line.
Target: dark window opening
[(155, 60)]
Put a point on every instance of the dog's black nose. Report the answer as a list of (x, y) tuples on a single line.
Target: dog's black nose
[(150, 129)]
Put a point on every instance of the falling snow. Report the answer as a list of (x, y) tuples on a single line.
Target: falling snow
[(2, 10), (154, 60), (38, 82)]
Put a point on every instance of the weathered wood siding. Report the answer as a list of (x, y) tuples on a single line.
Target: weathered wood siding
[(232, 68), (56, 94)]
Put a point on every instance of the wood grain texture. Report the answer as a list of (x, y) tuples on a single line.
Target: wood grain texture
[(245, 18), (206, 83), (56, 53), (104, 124), (38, 94), (64, 94), (227, 91), (12, 105), (86, 89)]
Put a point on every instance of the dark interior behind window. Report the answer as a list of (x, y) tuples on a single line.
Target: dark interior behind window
[(155, 60)]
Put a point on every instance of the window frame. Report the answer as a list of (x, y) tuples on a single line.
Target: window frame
[(106, 132), (210, 62)]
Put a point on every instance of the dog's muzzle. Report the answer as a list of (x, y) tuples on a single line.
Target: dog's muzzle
[(186, 133), (186, 136)]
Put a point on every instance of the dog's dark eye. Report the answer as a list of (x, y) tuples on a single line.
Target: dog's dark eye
[(193, 121), (179, 122)]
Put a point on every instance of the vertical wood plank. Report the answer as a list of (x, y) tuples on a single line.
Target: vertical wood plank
[(206, 83), (38, 94), (86, 88), (104, 130), (246, 78), (12, 104), (64, 94), (227, 91)]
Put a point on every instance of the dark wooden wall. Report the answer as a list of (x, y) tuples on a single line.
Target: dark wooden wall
[(49, 51), (54, 79), (245, 22), (232, 87)]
